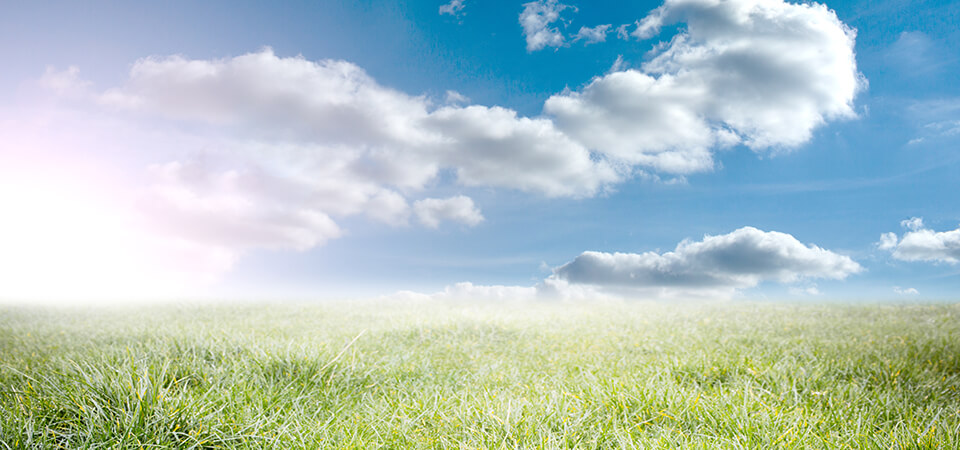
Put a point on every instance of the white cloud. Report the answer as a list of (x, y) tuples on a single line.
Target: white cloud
[(912, 224), (905, 291), (66, 83), (456, 98), (888, 241), (454, 8), (328, 101), (716, 266), (339, 117), (922, 244), (536, 19), (494, 147), (593, 35), (759, 72), (431, 211)]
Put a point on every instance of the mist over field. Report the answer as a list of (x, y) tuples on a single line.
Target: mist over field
[(465, 224)]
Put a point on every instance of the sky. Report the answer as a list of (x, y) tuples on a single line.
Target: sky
[(686, 149)]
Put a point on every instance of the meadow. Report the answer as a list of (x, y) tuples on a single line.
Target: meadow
[(462, 375)]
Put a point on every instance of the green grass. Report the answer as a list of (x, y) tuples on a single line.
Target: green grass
[(454, 375)]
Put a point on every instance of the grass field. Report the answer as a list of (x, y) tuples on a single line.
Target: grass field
[(453, 375)]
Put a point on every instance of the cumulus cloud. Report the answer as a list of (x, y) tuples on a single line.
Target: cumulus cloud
[(536, 19), (328, 101), (716, 265), (454, 8), (922, 244), (888, 241), (763, 73), (592, 35), (431, 211)]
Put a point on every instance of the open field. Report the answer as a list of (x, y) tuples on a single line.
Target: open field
[(730, 375)]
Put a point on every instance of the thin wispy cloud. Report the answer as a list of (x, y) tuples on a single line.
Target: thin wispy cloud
[(592, 35)]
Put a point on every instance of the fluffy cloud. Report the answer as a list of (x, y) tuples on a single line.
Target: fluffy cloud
[(716, 265), (922, 244), (592, 35), (431, 211), (764, 73), (339, 117), (536, 19), (328, 101), (494, 147)]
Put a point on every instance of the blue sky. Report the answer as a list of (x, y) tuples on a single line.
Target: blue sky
[(110, 161)]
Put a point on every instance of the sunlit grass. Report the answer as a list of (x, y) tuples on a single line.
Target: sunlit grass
[(467, 376)]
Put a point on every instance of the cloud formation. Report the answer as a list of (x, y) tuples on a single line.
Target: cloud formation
[(763, 73), (592, 35), (343, 118), (274, 151), (454, 8), (724, 263), (716, 267), (922, 244), (905, 291), (536, 20), (431, 211)]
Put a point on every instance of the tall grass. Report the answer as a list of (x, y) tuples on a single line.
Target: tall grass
[(472, 376)]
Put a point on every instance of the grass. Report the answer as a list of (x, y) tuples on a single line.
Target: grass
[(455, 375)]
